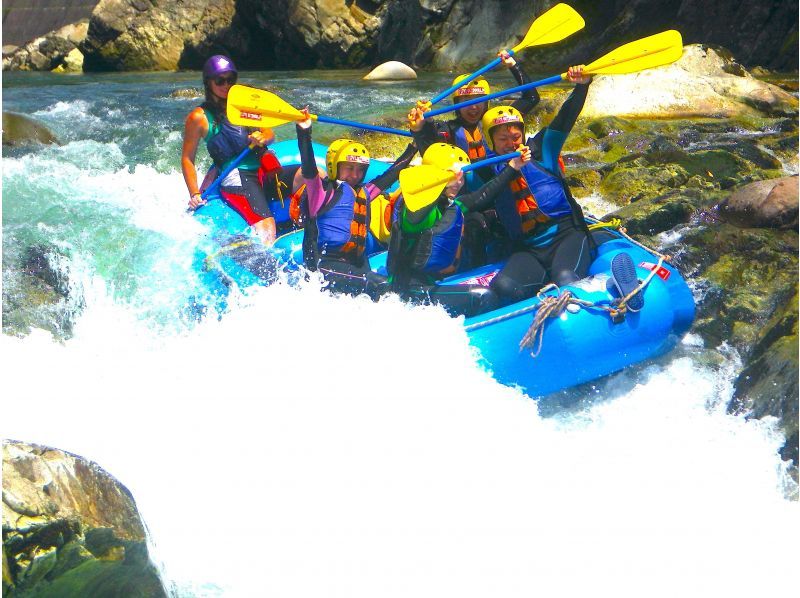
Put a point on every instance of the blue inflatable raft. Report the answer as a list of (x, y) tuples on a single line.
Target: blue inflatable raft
[(585, 340)]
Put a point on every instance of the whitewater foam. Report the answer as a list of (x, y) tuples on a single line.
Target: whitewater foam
[(390, 464)]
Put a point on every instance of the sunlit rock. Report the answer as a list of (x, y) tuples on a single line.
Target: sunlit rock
[(772, 204), (70, 528), (701, 84), (391, 71)]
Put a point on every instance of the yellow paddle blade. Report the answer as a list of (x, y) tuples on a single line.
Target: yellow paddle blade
[(421, 185), (250, 107), (559, 22), (648, 52)]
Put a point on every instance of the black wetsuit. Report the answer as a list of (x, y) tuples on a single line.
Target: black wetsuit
[(559, 250), (405, 248)]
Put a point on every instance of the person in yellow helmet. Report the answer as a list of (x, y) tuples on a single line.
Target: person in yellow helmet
[(551, 242), (464, 130), (337, 238), (425, 244)]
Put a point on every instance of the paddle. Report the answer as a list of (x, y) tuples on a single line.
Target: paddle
[(421, 185), (252, 107), (558, 23), (648, 52)]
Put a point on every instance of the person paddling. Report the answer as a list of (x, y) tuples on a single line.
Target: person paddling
[(464, 131), (337, 211), (426, 242), (546, 225), (242, 188)]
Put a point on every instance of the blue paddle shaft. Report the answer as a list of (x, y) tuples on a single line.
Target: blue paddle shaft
[(492, 96), (218, 181), (489, 161), (350, 123), (469, 78)]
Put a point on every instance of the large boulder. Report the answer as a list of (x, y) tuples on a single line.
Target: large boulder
[(703, 83), (56, 49), (391, 71), (70, 529), (772, 203), (141, 35)]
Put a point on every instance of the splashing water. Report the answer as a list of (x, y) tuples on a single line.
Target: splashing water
[(308, 445)]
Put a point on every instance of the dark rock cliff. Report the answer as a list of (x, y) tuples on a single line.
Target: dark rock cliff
[(169, 34)]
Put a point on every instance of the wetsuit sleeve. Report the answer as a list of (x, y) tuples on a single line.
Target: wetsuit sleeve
[(380, 183), (307, 162), (308, 168), (530, 98), (556, 132), (427, 136), (570, 109), (484, 197)]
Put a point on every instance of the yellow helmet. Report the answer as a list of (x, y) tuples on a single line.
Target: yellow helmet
[(445, 156), (344, 150), (471, 89), (500, 115)]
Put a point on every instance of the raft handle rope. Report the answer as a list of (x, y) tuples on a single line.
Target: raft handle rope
[(550, 306)]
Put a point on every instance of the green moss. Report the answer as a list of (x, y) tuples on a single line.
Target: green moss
[(101, 578)]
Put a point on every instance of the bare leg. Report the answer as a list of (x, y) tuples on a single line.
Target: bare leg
[(266, 230)]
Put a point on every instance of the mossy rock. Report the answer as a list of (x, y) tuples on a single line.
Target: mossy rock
[(768, 384), (745, 274), (631, 184), (666, 211), (611, 126), (101, 578)]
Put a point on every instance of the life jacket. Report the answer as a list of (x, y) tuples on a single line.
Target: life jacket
[(295, 213), (225, 141), (475, 147), (528, 210), (340, 227), (432, 253), (536, 196)]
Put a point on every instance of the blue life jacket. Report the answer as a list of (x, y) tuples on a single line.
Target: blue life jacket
[(341, 227), (434, 251), (517, 213)]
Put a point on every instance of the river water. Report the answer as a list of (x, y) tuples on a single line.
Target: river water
[(305, 444)]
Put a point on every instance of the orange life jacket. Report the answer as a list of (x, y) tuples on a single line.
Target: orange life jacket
[(529, 213), (294, 205), (358, 226)]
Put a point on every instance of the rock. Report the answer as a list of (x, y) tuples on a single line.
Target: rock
[(73, 62), (50, 51), (700, 84), (391, 71), (19, 129), (167, 35), (771, 203), (188, 93), (70, 529), (767, 385)]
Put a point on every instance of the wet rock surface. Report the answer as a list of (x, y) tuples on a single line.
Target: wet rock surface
[(19, 129), (444, 34), (70, 529)]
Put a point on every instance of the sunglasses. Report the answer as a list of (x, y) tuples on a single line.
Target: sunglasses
[(220, 81)]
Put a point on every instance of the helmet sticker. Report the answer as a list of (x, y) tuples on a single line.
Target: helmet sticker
[(470, 91)]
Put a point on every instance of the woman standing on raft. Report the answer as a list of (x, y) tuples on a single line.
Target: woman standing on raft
[(224, 141)]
